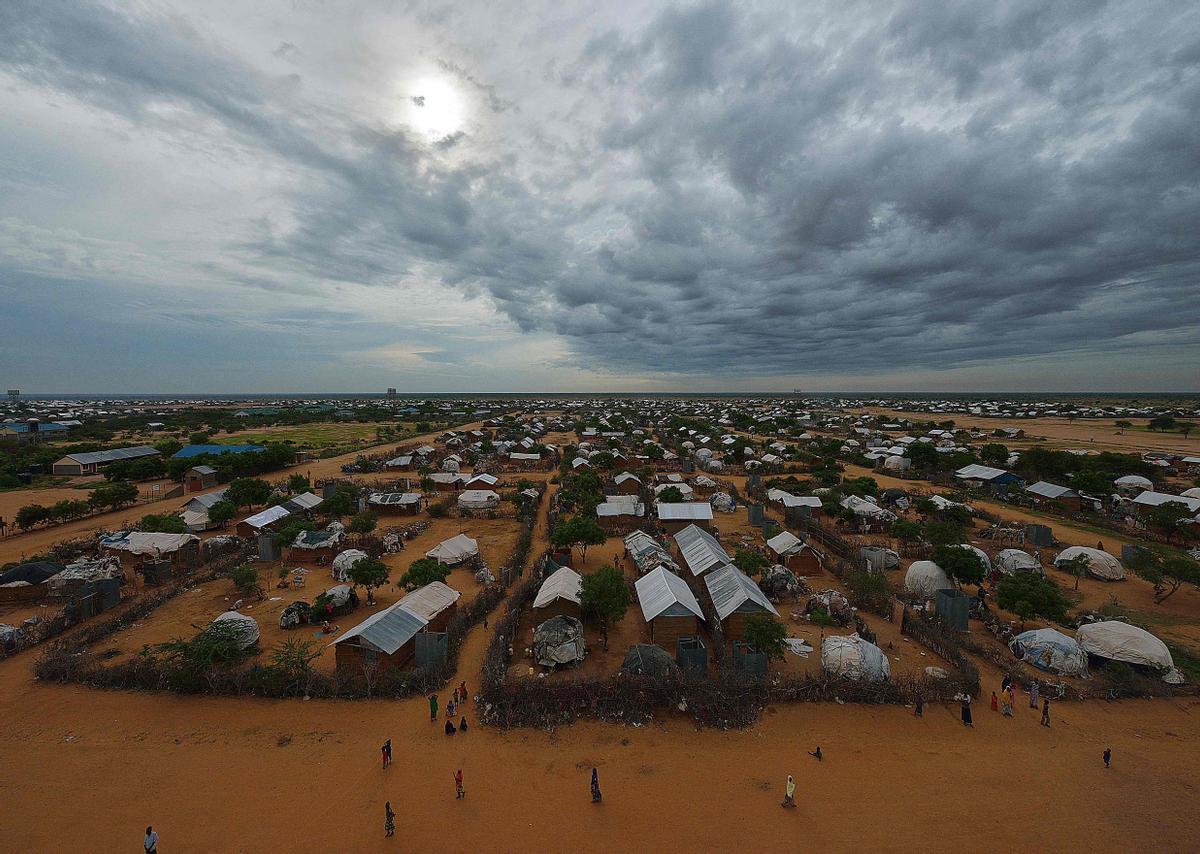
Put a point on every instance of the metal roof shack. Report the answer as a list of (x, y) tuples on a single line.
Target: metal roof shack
[(785, 543), (687, 511), (395, 499), (733, 591), (664, 594), (90, 458), (429, 601), (700, 550), (387, 630), (1044, 489)]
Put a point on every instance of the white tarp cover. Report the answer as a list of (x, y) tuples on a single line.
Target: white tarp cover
[(851, 657), (1122, 642), (1010, 561), (862, 507), (925, 578), (339, 595), (563, 583), (454, 550), (1052, 651), (1101, 565), (559, 640), (345, 560), (141, 543), (879, 558), (247, 626)]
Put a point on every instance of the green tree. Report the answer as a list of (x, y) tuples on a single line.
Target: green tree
[(925, 506), (113, 495), (370, 573), (671, 495), (906, 531), (66, 510), (1167, 572), (766, 635), (343, 502), (222, 513), (945, 533), (923, 455), (1162, 422), (1167, 518), (363, 523), (751, 563), (199, 438), (604, 595), (162, 524), (291, 661), (1076, 566), (248, 492), (994, 454), (961, 564), (1030, 594), (290, 528), (245, 579), (30, 515), (168, 447), (298, 483), (1124, 425), (422, 572)]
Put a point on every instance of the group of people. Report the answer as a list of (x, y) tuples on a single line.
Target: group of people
[(453, 707)]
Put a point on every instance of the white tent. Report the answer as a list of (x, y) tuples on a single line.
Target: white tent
[(1011, 561), (851, 657), (345, 560), (1051, 650), (454, 550), (1101, 565), (925, 578), (1122, 642), (563, 583), (247, 627)]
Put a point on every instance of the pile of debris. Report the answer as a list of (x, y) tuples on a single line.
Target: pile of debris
[(780, 585), (833, 603)]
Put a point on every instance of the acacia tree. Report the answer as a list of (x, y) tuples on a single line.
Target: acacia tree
[(1166, 572), (370, 573), (1168, 518), (422, 572), (605, 596), (222, 513), (766, 635), (1077, 566)]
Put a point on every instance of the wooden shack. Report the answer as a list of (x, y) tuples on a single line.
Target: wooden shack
[(668, 606)]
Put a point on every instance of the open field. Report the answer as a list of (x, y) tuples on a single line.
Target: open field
[(313, 436), (1090, 433)]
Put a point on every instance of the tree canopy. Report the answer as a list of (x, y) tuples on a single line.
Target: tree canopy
[(422, 572), (961, 564), (1030, 594), (766, 635), (605, 596)]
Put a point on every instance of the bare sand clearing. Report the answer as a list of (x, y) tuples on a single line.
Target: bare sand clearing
[(1095, 434)]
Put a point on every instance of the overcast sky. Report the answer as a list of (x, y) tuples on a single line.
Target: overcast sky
[(311, 195)]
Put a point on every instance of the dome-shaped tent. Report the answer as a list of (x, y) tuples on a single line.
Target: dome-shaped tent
[(851, 657), (1011, 561), (345, 560), (1051, 650), (1101, 565), (925, 578), (1132, 483), (247, 627), (559, 640), (1119, 641)]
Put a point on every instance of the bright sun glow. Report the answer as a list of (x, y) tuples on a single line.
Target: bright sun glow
[(434, 108)]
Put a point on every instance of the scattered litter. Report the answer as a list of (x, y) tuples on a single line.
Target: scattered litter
[(798, 646), (275, 599)]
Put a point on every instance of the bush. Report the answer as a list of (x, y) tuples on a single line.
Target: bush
[(961, 564), (244, 578), (439, 509), (751, 563), (1028, 595), (162, 524), (766, 635), (422, 572)]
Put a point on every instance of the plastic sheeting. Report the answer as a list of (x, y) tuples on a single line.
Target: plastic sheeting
[(293, 615), (1122, 642), (925, 578), (1052, 651), (1011, 561), (345, 560), (1101, 565), (247, 627), (851, 657), (879, 558), (559, 640)]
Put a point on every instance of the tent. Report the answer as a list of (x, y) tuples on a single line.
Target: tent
[(851, 657), (345, 560), (31, 573), (454, 550), (1010, 561), (247, 627), (1122, 642), (647, 659), (879, 558), (339, 595), (832, 603), (1052, 651), (778, 583), (294, 615), (925, 578), (1101, 565), (559, 640)]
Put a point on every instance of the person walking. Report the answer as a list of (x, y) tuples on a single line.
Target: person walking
[(789, 794), (1107, 756), (1046, 711), (995, 703), (1034, 689), (389, 820), (432, 707), (387, 753), (595, 786), (150, 843), (816, 753), (459, 791), (450, 709), (966, 712), (462, 725), (462, 691), (1009, 700), (919, 709)]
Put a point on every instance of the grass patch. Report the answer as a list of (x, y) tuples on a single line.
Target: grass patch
[(314, 436), (1187, 661)]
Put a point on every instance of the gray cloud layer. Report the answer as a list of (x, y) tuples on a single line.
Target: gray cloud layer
[(706, 190)]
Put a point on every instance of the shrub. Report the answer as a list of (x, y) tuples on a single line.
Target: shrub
[(1028, 595), (766, 635), (422, 572)]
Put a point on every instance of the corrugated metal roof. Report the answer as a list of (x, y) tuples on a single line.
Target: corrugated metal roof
[(266, 517), (1051, 490), (563, 583), (387, 630), (610, 509), (732, 590), (700, 549), (696, 511), (305, 500), (662, 593), (785, 543), (430, 600), (393, 499), (90, 457)]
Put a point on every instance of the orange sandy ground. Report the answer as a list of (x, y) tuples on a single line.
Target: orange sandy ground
[(87, 770)]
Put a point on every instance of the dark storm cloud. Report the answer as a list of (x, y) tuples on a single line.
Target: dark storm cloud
[(857, 187)]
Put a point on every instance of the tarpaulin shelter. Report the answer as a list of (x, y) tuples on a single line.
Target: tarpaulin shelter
[(1052, 651), (1101, 564), (559, 640), (851, 657)]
